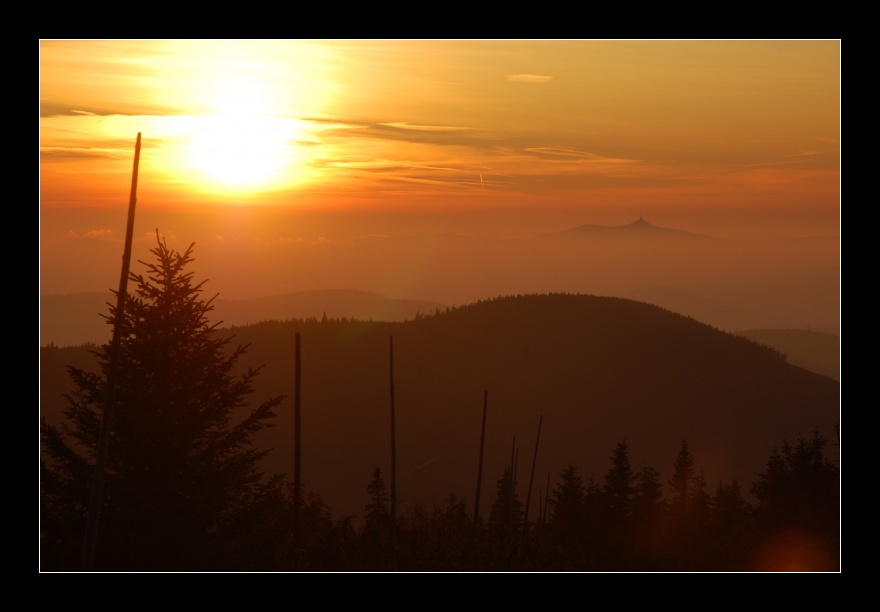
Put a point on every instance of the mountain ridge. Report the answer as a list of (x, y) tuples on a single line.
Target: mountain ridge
[(596, 369)]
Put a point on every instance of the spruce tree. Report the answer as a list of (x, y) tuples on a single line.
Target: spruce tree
[(798, 497), (682, 477), (506, 515), (618, 488), (377, 517), (183, 486), (568, 503)]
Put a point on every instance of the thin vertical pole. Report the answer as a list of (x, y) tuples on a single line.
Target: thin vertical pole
[(510, 494), (540, 506), (532, 477), (97, 492), (393, 447), (531, 481), (297, 481), (480, 465), (547, 498)]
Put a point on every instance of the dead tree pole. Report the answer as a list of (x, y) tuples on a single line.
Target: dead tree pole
[(393, 448), (531, 480), (480, 464), (97, 492), (547, 497), (510, 493), (297, 462), (532, 477)]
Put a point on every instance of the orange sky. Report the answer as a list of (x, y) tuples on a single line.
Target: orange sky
[(470, 136)]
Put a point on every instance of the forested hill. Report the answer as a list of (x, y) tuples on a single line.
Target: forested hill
[(597, 369)]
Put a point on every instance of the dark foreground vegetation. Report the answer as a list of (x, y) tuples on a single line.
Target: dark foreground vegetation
[(186, 489)]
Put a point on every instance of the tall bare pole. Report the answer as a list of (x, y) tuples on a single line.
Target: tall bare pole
[(97, 493), (547, 497), (393, 448), (525, 527), (480, 465), (297, 482), (532, 477), (510, 493)]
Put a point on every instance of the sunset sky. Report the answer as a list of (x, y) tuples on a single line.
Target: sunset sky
[(310, 140)]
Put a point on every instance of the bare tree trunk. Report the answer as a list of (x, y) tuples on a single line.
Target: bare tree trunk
[(393, 450), (97, 492), (547, 498), (510, 495), (297, 463), (534, 462), (532, 477), (480, 465), (525, 525)]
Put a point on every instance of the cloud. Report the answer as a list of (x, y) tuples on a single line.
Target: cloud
[(128, 108), (571, 154), (93, 234), (61, 153), (424, 128), (296, 240), (559, 152), (404, 132), (529, 78)]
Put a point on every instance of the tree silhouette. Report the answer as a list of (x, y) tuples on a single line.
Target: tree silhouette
[(568, 502), (682, 476), (568, 523), (798, 507), (618, 491), (184, 489), (377, 516), (731, 537), (506, 514), (647, 516)]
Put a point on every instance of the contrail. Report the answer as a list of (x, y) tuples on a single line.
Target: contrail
[(481, 180), (418, 467)]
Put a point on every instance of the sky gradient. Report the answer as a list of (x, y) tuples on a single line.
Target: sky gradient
[(273, 142)]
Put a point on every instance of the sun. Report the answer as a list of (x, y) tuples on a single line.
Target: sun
[(241, 145), (240, 152), (240, 128), (239, 115)]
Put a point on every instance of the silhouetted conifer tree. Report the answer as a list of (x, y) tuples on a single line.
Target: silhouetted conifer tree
[(682, 476), (648, 513), (798, 497), (567, 525), (376, 535), (507, 509), (183, 488), (617, 498), (568, 503), (731, 539), (618, 489), (377, 516)]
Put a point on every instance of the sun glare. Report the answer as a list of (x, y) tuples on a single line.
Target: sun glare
[(240, 152), (244, 134)]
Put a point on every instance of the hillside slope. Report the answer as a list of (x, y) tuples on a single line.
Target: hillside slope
[(815, 351), (598, 369)]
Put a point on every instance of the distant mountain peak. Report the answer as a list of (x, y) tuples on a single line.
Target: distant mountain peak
[(640, 223)]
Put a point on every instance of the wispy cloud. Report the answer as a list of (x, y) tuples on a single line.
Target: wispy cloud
[(552, 152), (126, 108), (291, 240), (93, 234), (399, 131), (63, 153), (529, 78)]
